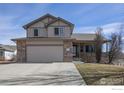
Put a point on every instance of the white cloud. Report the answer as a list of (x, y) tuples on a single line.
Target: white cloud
[(107, 29), (111, 28), (84, 29), (85, 9), (6, 22), (122, 38), (9, 30)]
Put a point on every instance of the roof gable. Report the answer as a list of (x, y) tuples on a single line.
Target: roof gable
[(51, 22), (38, 19), (84, 36), (60, 19)]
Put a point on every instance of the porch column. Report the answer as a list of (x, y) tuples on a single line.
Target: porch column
[(107, 47), (79, 50), (84, 48)]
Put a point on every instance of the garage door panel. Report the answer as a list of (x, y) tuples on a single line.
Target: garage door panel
[(44, 53)]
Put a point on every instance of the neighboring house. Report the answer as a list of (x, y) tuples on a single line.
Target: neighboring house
[(51, 39), (7, 52)]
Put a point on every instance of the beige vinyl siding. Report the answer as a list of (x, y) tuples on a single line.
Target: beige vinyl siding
[(41, 23), (48, 32), (40, 26), (41, 32), (66, 32), (47, 20), (67, 29)]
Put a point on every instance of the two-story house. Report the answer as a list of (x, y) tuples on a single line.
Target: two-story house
[(51, 39)]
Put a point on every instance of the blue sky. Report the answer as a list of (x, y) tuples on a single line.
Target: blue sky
[(86, 17)]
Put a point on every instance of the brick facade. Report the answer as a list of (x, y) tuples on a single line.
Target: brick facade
[(68, 51), (21, 51)]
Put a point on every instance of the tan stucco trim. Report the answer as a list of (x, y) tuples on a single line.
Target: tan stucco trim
[(44, 38), (87, 41), (44, 44)]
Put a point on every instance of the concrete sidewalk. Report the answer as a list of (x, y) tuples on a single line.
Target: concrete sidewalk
[(40, 74), (7, 62)]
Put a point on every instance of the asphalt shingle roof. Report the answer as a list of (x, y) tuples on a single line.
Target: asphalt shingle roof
[(11, 48), (83, 36)]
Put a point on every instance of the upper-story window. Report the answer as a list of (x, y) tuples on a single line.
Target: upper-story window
[(56, 31), (35, 32), (59, 31)]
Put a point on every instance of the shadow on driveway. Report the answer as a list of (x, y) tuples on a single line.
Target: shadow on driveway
[(44, 79)]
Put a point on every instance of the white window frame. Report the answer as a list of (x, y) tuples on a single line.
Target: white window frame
[(61, 31)]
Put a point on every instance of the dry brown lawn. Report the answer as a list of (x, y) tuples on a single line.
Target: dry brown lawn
[(101, 74)]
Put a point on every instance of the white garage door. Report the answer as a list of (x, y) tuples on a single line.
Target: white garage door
[(44, 53)]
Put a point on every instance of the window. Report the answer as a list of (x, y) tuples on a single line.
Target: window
[(1, 53), (59, 31), (92, 48), (81, 48), (56, 31), (35, 32), (89, 48)]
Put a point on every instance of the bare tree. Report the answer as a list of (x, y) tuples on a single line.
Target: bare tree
[(98, 44), (115, 46)]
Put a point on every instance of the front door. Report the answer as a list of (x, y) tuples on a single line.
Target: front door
[(75, 51)]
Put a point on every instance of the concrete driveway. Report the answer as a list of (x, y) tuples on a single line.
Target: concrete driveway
[(40, 74)]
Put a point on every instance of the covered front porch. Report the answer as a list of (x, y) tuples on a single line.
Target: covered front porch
[(85, 51)]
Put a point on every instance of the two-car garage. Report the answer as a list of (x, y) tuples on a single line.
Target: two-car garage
[(44, 53)]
